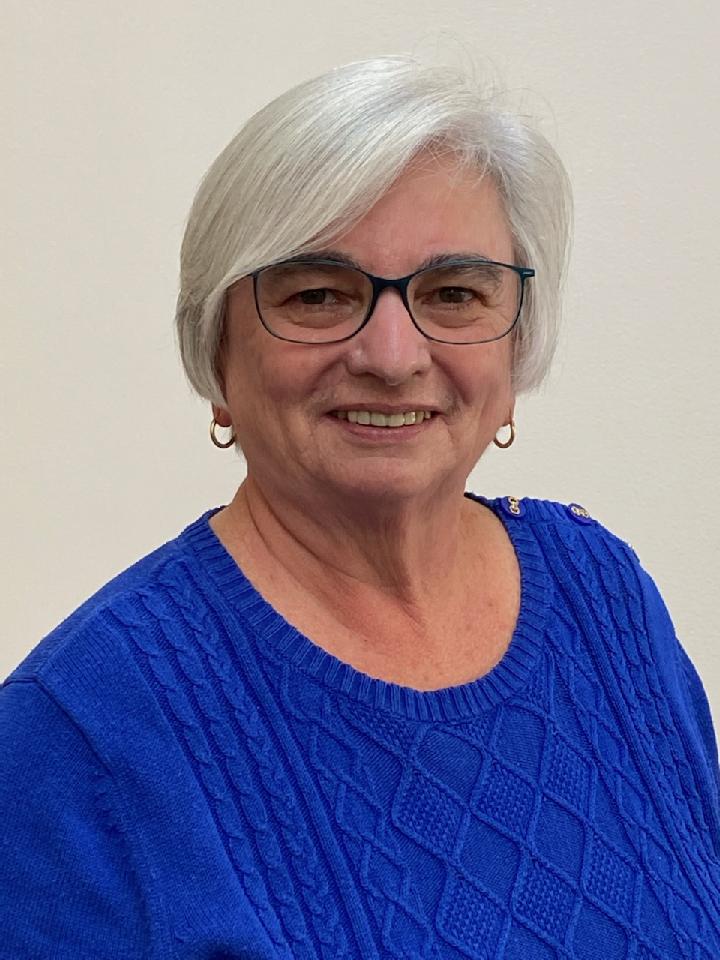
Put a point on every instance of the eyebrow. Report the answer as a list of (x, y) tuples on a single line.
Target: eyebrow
[(436, 260)]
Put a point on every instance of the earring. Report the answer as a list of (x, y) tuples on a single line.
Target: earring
[(219, 443), (510, 440)]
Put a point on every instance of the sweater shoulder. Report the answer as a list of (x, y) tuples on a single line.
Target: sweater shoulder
[(572, 513), (587, 544), (146, 576), (573, 521), (600, 562)]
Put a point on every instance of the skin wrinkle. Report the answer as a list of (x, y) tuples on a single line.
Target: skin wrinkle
[(375, 548)]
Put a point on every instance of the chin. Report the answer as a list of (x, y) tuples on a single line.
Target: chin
[(387, 483)]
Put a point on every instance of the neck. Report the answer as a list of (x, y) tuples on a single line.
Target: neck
[(405, 550), (422, 595)]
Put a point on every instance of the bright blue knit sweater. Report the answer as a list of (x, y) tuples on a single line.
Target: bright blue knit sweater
[(184, 775)]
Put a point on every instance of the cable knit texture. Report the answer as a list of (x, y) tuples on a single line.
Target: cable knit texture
[(186, 776)]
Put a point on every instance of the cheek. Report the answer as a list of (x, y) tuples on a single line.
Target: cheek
[(268, 383), (484, 381)]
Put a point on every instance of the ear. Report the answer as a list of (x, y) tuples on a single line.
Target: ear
[(510, 416), (221, 352), (222, 416)]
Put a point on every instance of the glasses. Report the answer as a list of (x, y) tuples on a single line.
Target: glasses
[(307, 300)]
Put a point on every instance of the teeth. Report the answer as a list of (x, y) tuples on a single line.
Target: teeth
[(368, 417)]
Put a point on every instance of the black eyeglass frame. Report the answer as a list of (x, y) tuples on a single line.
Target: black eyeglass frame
[(400, 284)]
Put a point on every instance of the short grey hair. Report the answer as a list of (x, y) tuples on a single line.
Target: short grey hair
[(312, 162)]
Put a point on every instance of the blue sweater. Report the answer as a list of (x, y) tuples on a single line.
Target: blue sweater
[(186, 776)]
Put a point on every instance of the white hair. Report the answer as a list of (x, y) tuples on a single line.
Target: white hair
[(312, 162)]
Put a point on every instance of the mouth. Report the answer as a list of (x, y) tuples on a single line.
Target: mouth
[(388, 420)]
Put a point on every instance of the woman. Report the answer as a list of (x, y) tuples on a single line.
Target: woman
[(357, 713)]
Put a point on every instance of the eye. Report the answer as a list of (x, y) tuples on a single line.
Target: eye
[(455, 294), (319, 296), (459, 286)]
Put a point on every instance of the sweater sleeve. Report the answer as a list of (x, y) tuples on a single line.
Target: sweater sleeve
[(68, 884), (700, 711), (689, 704)]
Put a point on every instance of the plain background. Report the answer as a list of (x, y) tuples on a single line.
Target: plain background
[(111, 113)]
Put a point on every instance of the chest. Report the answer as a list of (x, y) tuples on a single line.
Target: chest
[(521, 831)]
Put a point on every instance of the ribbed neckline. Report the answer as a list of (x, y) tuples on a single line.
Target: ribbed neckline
[(283, 641)]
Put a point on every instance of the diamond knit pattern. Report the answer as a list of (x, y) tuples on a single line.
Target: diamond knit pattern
[(565, 805)]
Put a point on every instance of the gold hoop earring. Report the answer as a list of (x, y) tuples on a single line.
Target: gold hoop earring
[(511, 439), (218, 443)]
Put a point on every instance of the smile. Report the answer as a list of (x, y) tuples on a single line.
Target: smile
[(375, 419)]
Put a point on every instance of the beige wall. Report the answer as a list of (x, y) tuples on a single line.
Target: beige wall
[(111, 113)]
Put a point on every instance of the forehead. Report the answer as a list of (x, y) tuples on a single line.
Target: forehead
[(434, 207)]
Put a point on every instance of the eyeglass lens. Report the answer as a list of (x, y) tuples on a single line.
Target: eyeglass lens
[(455, 303)]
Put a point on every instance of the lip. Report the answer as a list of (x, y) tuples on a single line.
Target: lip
[(380, 436), (387, 408)]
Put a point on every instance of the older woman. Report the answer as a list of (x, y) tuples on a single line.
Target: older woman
[(358, 713)]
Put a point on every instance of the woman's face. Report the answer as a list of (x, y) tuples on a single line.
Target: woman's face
[(283, 397)]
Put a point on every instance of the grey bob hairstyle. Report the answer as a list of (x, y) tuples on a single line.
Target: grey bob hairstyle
[(312, 162)]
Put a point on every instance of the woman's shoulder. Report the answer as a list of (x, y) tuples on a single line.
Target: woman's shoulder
[(94, 725), (102, 676), (572, 522), (542, 511), (610, 585), (117, 605), (578, 546)]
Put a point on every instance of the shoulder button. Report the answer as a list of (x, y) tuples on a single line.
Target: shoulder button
[(579, 514), (512, 506)]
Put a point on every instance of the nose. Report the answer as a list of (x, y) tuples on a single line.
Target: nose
[(389, 346)]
